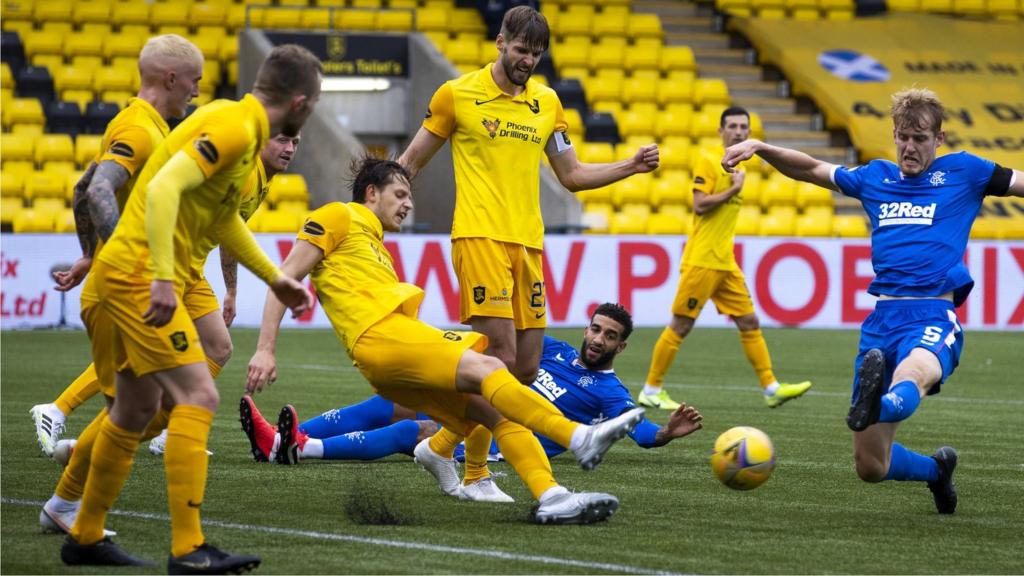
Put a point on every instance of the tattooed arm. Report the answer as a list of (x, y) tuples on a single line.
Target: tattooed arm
[(229, 268), (96, 215)]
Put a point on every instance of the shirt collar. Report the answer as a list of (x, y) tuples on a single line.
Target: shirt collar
[(370, 218), (493, 91), (262, 121), (151, 111)]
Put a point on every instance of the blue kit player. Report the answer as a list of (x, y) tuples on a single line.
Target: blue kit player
[(921, 212), (581, 383)]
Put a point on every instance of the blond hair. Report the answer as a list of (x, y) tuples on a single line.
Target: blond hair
[(167, 52), (917, 108)]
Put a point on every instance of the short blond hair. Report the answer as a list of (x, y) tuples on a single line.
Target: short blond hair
[(917, 108), (168, 47)]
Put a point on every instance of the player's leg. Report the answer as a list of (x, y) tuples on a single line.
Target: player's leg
[(695, 288), (294, 444), (370, 414)]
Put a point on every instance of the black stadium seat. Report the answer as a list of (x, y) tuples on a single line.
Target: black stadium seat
[(570, 92), (64, 118), (601, 127), (11, 50), (35, 82), (98, 115)]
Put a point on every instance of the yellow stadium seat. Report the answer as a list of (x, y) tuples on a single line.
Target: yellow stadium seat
[(207, 14), (17, 11), (42, 42), (644, 26), (573, 119), (22, 27), (130, 13), (285, 187), (677, 58), (779, 221), (710, 91), (82, 44), (814, 225), (209, 46), (432, 20), (602, 195), (571, 55), (608, 53), (80, 97), (633, 190), (59, 167), (211, 76), (1013, 228), (52, 11), (969, 7), (393, 20), (20, 169), (607, 25), (595, 152), (674, 121), (778, 191), (12, 184), (125, 44), (644, 55), (943, 6), (751, 192), (597, 218), (675, 156), (987, 228), (115, 79), (23, 111), (47, 204), (577, 20), (168, 14), (281, 17), (850, 226), (178, 29), (1004, 9), (6, 78), (633, 122), (90, 11), (628, 223), (70, 180), (808, 194), (9, 209), (769, 9), (234, 20), (54, 147), (297, 207), (375, 4), (60, 29), (639, 90), (672, 189), (279, 221), (44, 185), (463, 52), (674, 92), (354, 20), (119, 97), (749, 221), (705, 124), (667, 224), (71, 77), (256, 219), (613, 107), (32, 220), (602, 88), (64, 221), (18, 147), (467, 20)]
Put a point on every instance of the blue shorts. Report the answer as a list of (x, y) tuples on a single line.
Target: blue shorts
[(898, 326)]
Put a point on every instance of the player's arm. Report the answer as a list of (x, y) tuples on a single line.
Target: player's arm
[(683, 421), (704, 203), (576, 175), (792, 163), (229, 270), (95, 208), (419, 152), (263, 365), (1017, 184)]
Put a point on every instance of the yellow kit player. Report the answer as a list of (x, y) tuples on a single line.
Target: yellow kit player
[(441, 373), (500, 122), (190, 189), (709, 271)]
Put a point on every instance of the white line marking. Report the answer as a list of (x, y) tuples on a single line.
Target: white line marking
[(619, 568), (752, 389)]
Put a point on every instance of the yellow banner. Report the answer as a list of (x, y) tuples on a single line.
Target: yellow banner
[(850, 69)]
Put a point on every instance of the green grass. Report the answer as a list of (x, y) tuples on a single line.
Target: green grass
[(812, 516)]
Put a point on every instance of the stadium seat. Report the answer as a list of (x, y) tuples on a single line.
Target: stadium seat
[(6, 77), (814, 224), (64, 221), (34, 82), (82, 44), (393, 21), (628, 223), (64, 118), (52, 12), (850, 226), (662, 223), (602, 195), (675, 156), (808, 194), (279, 221), (90, 11), (463, 52), (803, 9), (130, 13), (570, 92), (903, 5), (601, 127), (124, 44), (597, 218), (1011, 10), (31, 220), (635, 123), (571, 55), (168, 14), (778, 190), (54, 147), (639, 90), (12, 183), (17, 147), (278, 17), (607, 53), (467, 20), (432, 20), (644, 26), (98, 115), (44, 185), (354, 20), (595, 152), (207, 14), (937, 6), (70, 180), (115, 79), (749, 221), (710, 91), (87, 146), (644, 55), (285, 187), (296, 207), (672, 190), (70, 77), (607, 25), (674, 91), (779, 221), (118, 98), (603, 88), (23, 111), (969, 7), (751, 194), (9, 209)]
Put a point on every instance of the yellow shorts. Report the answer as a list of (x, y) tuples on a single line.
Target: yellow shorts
[(414, 364), (200, 299), (101, 336), (500, 280), (726, 288), (123, 340)]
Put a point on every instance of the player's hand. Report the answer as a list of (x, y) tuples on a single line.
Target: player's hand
[(293, 294), (229, 309), (684, 420), (162, 303), (646, 159), (738, 177), (739, 152), (262, 371), (68, 279)]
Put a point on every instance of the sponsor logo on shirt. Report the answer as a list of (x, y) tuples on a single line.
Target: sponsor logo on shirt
[(313, 228), (891, 213), (206, 149), (546, 385), (122, 149)]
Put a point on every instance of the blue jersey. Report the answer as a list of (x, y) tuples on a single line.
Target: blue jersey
[(920, 225), (583, 395)]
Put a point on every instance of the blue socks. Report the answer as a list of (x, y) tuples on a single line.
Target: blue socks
[(398, 437), (907, 465), (900, 402), (369, 414)]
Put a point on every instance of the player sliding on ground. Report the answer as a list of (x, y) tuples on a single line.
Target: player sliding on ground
[(441, 373), (921, 211), (581, 384)]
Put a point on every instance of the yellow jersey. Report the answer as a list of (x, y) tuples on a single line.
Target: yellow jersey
[(224, 138), (355, 281), (710, 245), (130, 139), (497, 141)]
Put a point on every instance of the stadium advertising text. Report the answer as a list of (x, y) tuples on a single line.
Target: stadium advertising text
[(354, 54), (813, 283)]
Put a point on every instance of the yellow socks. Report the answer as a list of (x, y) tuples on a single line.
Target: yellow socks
[(213, 367), (665, 350), (478, 445), (185, 463), (756, 350), (524, 406), (523, 452), (156, 425), (112, 456), (84, 387), (444, 441), (72, 481)]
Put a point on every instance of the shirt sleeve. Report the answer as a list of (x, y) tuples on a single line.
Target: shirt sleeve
[(848, 179), (986, 176), (327, 226), (219, 144), (644, 433), (705, 175), (440, 118), (130, 147), (560, 124)]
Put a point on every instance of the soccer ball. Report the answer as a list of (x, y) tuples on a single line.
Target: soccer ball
[(62, 451), (743, 458)]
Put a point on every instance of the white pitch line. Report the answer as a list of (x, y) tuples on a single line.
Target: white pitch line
[(812, 392), (618, 568)]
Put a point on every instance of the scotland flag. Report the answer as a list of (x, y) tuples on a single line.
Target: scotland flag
[(850, 65)]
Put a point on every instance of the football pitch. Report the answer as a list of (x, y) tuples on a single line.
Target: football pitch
[(812, 516)]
